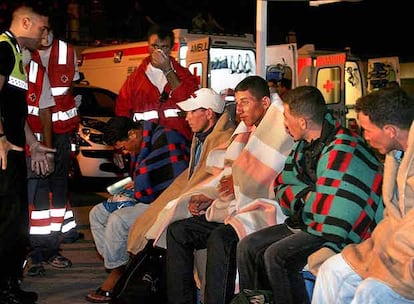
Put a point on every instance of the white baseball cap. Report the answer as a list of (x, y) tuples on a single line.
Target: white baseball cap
[(203, 98)]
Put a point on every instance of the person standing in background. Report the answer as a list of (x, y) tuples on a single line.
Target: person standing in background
[(153, 90), (51, 217), (28, 26)]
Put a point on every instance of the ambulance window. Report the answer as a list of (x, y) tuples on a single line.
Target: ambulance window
[(229, 66), (328, 81)]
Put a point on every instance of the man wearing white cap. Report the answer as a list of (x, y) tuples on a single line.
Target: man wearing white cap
[(202, 109)]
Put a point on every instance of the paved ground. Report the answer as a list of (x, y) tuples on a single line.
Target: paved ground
[(64, 286)]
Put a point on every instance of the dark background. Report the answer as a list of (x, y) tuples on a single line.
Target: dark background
[(370, 28)]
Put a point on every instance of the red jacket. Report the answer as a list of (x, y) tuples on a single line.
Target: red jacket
[(140, 99), (35, 73), (61, 70)]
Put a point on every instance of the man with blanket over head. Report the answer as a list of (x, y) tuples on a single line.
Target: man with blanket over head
[(158, 155), (330, 189), (218, 212)]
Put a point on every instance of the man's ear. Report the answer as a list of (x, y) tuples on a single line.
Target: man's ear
[(391, 130), (266, 102)]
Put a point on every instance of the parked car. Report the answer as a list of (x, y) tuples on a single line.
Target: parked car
[(91, 157)]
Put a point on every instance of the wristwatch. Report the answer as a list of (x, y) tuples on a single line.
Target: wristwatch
[(2, 135)]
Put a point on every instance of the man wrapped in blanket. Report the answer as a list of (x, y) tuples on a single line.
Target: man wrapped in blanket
[(218, 212), (330, 189)]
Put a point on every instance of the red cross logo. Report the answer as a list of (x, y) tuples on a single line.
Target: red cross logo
[(328, 86), (32, 97), (196, 74), (64, 78)]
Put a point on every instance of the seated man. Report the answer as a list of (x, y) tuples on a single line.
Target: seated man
[(380, 269), (330, 191), (215, 214), (111, 230), (158, 155)]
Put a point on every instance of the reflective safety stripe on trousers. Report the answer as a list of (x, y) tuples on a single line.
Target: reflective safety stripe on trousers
[(45, 222), (154, 114)]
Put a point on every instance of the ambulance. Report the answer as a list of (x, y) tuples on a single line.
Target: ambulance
[(219, 61), (340, 76)]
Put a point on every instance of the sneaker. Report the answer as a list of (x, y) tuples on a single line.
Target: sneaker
[(59, 261), (36, 270)]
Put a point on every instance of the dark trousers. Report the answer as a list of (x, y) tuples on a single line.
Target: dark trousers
[(185, 236), (39, 190), (274, 258), (14, 241)]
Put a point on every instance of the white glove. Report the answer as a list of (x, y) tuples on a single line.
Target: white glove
[(42, 159), (119, 160)]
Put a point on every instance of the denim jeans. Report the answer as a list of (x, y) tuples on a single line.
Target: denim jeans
[(110, 232), (338, 283), (273, 258), (185, 236)]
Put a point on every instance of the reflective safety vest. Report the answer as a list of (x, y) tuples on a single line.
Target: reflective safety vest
[(17, 77), (61, 70), (36, 73)]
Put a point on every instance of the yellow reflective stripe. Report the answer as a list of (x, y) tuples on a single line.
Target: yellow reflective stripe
[(64, 115), (145, 116), (63, 51), (57, 91), (32, 110), (34, 67), (171, 113)]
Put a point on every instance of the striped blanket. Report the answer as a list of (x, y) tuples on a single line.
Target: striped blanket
[(254, 158)]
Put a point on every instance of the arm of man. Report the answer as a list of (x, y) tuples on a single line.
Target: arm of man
[(5, 145)]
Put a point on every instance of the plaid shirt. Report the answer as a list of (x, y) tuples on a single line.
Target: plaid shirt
[(344, 203), (164, 155)]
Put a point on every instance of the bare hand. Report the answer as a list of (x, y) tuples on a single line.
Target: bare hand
[(5, 147), (42, 159), (198, 204), (226, 186), (160, 60)]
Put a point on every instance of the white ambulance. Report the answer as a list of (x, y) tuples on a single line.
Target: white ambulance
[(339, 76), (219, 61)]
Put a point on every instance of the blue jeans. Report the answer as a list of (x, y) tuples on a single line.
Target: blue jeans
[(110, 232), (338, 283), (186, 236), (273, 258)]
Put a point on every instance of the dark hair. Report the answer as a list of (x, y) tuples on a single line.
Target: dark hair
[(390, 105), (37, 7), (306, 101), (162, 32), (117, 129), (287, 83), (256, 85)]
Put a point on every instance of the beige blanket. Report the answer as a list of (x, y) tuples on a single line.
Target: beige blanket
[(219, 137)]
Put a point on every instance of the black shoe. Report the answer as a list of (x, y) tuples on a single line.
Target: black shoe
[(25, 297), (8, 298)]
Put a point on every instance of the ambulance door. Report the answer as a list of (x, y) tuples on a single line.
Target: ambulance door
[(198, 58), (382, 71), (328, 77), (282, 62)]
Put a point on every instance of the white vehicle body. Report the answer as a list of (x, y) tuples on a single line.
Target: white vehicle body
[(226, 60)]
